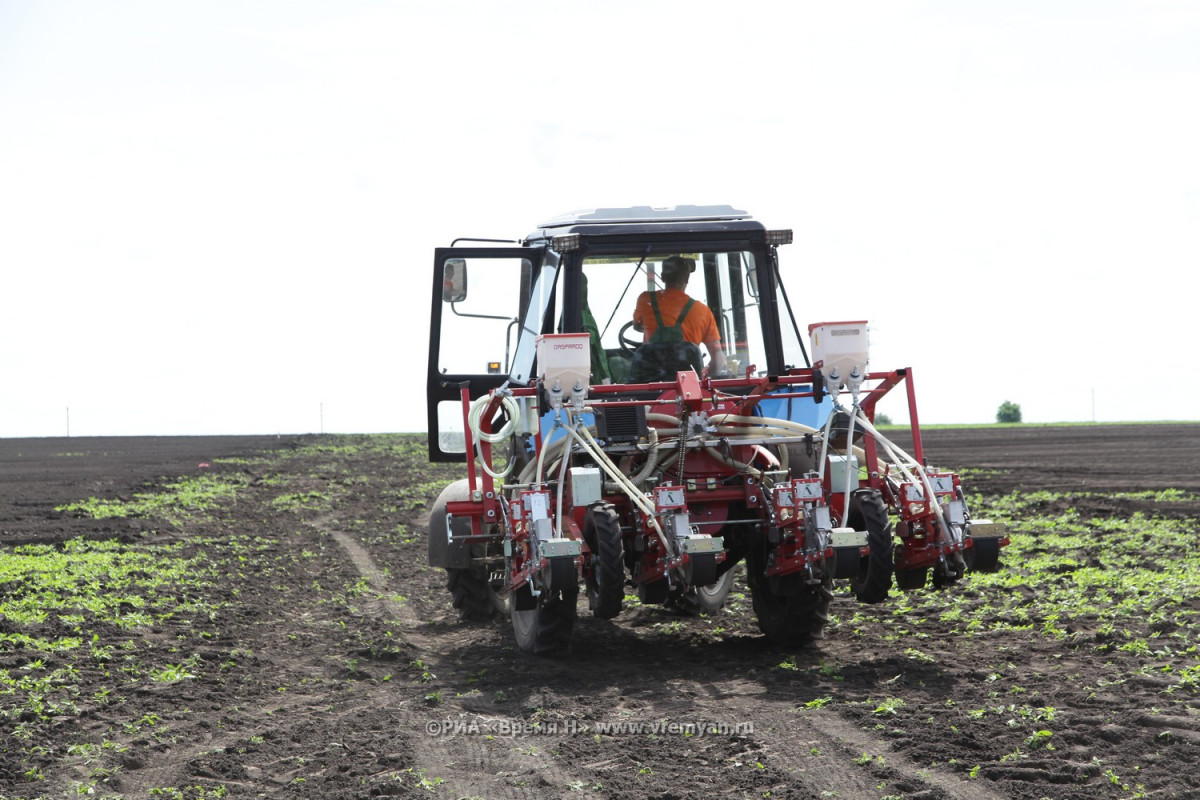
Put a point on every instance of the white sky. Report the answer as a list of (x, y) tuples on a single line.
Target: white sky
[(219, 217)]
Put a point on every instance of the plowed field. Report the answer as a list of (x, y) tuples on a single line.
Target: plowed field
[(253, 617)]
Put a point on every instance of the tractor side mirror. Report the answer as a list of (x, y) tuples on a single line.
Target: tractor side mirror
[(752, 282), (454, 280)]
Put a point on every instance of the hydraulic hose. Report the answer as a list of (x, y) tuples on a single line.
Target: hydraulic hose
[(730, 461)]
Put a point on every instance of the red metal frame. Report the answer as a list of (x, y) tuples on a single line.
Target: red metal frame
[(917, 527)]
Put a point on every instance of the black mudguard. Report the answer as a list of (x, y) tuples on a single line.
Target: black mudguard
[(442, 553)]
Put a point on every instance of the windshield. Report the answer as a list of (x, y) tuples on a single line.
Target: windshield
[(720, 285), (540, 296), (795, 354)]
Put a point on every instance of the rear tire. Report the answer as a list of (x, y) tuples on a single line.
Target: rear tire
[(475, 595), (545, 629), (868, 512), (606, 583)]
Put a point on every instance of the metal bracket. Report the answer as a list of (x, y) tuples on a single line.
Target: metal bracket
[(553, 548)]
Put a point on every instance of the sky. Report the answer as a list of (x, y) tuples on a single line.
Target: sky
[(219, 217)]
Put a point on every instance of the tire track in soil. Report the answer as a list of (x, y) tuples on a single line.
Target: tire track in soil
[(503, 770), (840, 744), (897, 770)]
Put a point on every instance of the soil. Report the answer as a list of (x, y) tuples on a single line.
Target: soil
[(306, 688)]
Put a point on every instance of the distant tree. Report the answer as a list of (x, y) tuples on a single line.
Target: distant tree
[(882, 419), (1008, 412)]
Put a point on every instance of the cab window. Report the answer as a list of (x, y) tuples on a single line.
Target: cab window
[(613, 284)]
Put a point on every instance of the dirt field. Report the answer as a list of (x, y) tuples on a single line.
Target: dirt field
[(323, 658)]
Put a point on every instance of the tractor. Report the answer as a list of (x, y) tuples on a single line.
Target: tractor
[(601, 461)]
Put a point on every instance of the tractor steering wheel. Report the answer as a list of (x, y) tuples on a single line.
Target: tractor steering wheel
[(628, 345)]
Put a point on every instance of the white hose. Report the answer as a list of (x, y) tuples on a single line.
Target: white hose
[(774, 422), (896, 456), (541, 459), (768, 426), (636, 496), (849, 447), (592, 446), (475, 414), (647, 469), (475, 421), (755, 433), (825, 442), (562, 481), (920, 469)]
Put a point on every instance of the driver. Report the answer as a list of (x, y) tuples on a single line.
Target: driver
[(697, 325)]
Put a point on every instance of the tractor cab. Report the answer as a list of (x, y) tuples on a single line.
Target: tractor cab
[(584, 273)]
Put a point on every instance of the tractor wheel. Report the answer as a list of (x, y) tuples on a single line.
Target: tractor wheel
[(868, 512), (794, 618), (478, 595), (606, 583), (545, 628), (911, 580)]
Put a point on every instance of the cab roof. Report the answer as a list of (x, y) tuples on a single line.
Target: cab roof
[(647, 219)]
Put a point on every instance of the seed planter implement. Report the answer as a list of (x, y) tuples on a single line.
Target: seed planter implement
[(578, 479)]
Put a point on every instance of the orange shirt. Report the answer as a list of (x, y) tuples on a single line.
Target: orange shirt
[(699, 325)]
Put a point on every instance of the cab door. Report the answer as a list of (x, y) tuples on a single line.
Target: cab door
[(480, 297)]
